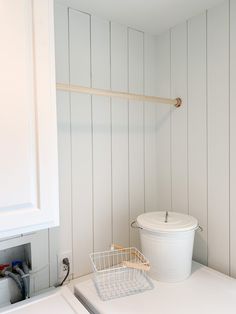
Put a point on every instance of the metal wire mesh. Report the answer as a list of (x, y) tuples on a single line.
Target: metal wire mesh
[(113, 279)]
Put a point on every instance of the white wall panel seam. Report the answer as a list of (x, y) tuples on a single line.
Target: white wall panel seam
[(229, 3), (71, 147), (144, 124), (49, 258), (187, 103), (129, 180), (232, 138), (207, 74), (207, 123), (128, 88), (111, 132), (171, 151), (92, 131)]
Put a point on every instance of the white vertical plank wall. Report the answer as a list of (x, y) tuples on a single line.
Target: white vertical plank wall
[(81, 128), (179, 129), (197, 141), (218, 136), (150, 124), (100, 51), (81, 138), (79, 47), (232, 138), (64, 152), (131, 158), (163, 123), (61, 238), (136, 128), (200, 131), (40, 278), (117, 160), (119, 121), (62, 42)]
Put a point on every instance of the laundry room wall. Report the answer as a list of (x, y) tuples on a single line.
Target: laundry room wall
[(120, 159), (197, 61), (107, 147)]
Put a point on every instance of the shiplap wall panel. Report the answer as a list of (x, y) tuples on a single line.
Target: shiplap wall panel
[(150, 123), (163, 122), (64, 153), (102, 173), (136, 128), (61, 237), (219, 219), (123, 137), (119, 57), (61, 43), (197, 131), (119, 116), (179, 129), (40, 275), (81, 128), (101, 112), (232, 138), (79, 30), (218, 137), (81, 143), (100, 45)]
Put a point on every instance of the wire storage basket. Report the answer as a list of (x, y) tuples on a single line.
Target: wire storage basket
[(120, 272)]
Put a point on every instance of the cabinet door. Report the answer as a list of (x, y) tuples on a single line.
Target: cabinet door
[(28, 131)]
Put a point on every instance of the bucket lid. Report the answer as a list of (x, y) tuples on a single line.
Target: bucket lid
[(164, 221)]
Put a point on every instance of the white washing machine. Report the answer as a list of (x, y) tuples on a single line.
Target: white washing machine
[(57, 301), (206, 291)]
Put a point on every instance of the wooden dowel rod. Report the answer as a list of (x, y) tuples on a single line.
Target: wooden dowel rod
[(102, 92)]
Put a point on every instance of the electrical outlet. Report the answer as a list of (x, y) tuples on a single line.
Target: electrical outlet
[(62, 269)]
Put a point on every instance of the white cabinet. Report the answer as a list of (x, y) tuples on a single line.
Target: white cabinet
[(28, 131)]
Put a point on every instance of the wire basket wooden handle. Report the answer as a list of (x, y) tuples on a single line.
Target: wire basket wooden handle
[(145, 267), (117, 247), (140, 266), (120, 247)]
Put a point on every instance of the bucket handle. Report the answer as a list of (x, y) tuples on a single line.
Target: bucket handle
[(199, 228), (134, 225)]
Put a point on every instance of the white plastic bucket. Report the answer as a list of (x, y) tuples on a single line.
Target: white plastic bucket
[(167, 241)]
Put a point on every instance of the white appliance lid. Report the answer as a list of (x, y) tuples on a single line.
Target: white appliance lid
[(59, 301), (163, 221), (205, 291)]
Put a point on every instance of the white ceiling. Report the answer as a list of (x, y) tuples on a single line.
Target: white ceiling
[(153, 16)]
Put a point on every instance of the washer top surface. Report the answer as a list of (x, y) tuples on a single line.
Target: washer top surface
[(58, 301), (206, 291)]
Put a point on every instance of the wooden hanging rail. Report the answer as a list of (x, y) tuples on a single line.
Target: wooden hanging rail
[(102, 92)]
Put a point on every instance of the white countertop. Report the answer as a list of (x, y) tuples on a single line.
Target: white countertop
[(205, 292), (57, 301)]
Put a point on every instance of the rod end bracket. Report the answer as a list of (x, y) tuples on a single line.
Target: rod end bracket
[(178, 102)]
